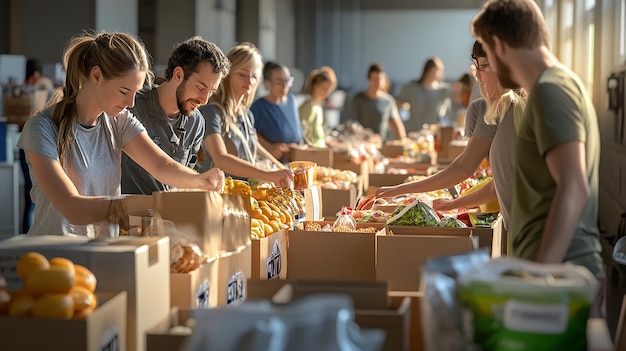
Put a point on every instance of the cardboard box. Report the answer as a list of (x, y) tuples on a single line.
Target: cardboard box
[(372, 307), (313, 203), (269, 256), (138, 265), (332, 255), (198, 214), (159, 337), (334, 199), (378, 180), (486, 236), (416, 331), (361, 169), (103, 329), (234, 269), (400, 257), (392, 150), (19, 109), (322, 156), (196, 289)]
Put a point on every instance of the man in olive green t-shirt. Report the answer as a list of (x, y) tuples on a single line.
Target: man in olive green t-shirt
[(555, 206)]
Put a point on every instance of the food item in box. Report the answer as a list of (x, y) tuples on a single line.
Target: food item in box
[(186, 257), (418, 213), (449, 221), (55, 288), (345, 222)]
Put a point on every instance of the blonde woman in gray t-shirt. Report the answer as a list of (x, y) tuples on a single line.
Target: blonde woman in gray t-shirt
[(74, 146)]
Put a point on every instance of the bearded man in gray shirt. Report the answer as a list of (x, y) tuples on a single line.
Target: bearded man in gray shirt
[(169, 111)]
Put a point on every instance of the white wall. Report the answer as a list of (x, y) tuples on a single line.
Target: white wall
[(403, 40)]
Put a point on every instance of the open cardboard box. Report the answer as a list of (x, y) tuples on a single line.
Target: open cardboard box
[(334, 199), (103, 329), (373, 308), (400, 257), (138, 265), (196, 289), (159, 338), (332, 255), (487, 237), (322, 156), (269, 256)]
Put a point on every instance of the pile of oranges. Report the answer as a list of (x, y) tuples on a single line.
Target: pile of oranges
[(55, 288)]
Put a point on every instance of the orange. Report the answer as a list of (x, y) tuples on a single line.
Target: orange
[(62, 262), (84, 277), (31, 262), (52, 280), (54, 306), (21, 306), (84, 313), (83, 298)]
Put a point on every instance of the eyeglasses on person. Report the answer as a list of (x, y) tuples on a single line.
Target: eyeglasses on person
[(288, 81), (485, 67)]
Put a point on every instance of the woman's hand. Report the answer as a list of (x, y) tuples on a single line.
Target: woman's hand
[(281, 178), (386, 192), (213, 179), (443, 205)]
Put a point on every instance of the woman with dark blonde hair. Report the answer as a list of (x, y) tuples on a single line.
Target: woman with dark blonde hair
[(230, 140), (319, 84), (74, 146)]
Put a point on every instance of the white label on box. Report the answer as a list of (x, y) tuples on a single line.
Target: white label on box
[(274, 264), (110, 340), (535, 318), (235, 291), (202, 295)]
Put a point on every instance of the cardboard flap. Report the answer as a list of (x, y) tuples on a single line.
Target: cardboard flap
[(236, 222), (151, 245), (198, 214), (365, 294)]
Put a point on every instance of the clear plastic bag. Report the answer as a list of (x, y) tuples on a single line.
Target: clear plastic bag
[(317, 322), (345, 222)]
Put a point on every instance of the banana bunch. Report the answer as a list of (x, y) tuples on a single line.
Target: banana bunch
[(236, 187), (269, 218)]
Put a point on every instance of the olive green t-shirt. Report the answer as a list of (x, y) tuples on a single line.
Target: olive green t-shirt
[(558, 111)]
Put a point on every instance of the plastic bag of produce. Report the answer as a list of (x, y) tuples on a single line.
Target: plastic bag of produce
[(515, 304), (417, 213), (317, 322), (449, 221)]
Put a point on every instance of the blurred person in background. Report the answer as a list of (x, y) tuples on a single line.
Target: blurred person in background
[(276, 117), (319, 84), (169, 111), (74, 146), (374, 108), (230, 140), (426, 98)]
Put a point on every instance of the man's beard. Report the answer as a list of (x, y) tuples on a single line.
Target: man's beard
[(180, 93), (505, 76)]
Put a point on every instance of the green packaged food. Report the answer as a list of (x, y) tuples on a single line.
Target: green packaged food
[(514, 304)]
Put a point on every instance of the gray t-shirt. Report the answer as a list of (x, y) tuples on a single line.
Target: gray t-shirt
[(93, 165), (502, 160), (475, 120), (180, 138), (373, 113), (426, 104), (215, 124)]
